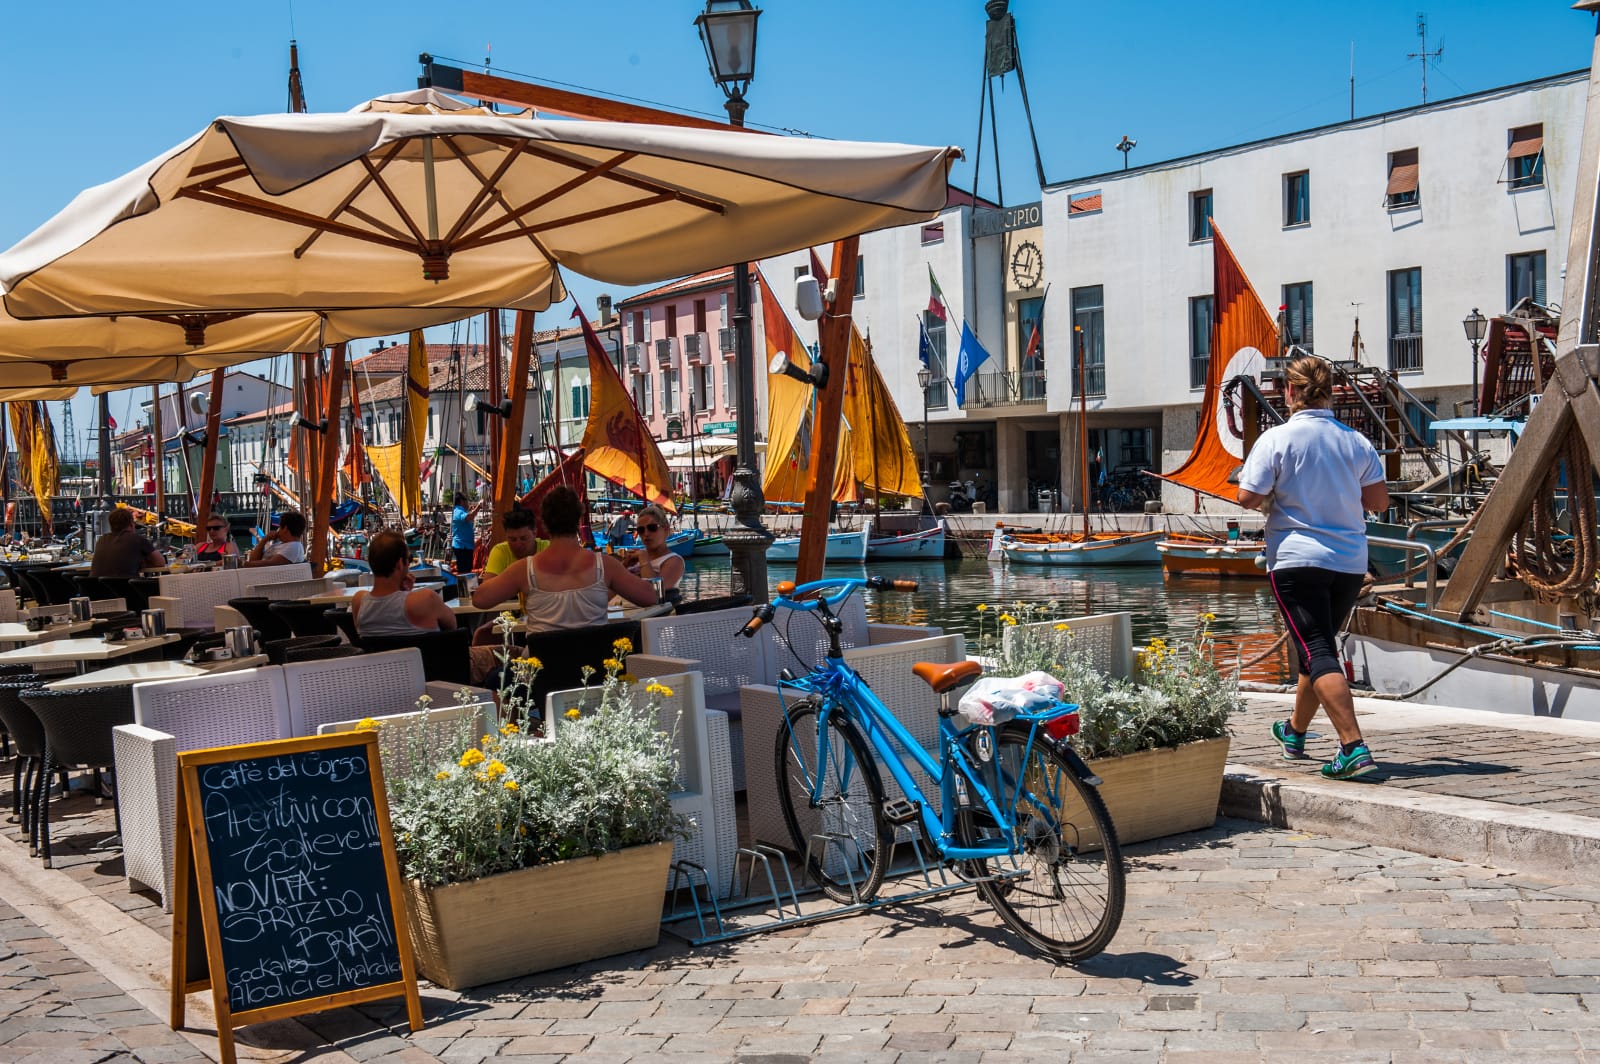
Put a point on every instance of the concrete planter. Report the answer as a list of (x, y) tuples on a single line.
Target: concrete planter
[(1163, 792), (535, 919)]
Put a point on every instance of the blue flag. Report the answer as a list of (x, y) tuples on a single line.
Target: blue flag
[(967, 362), (924, 345)]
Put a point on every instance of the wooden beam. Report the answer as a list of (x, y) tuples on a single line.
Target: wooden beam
[(160, 461), (1507, 506), (327, 474), (310, 403), (835, 338), (494, 424), (550, 101), (208, 458), (505, 476)]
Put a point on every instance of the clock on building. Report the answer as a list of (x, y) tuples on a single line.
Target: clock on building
[(1027, 265)]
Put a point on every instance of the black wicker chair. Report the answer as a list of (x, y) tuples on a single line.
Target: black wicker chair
[(268, 625), (344, 621), (304, 618), (140, 591), (58, 587), (318, 653), (444, 654), (563, 654), (28, 578), (77, 732), (92, 587), (708, 605), (278, 650), (27, 775)]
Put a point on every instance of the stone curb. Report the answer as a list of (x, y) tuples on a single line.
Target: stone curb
[(1460, 829)]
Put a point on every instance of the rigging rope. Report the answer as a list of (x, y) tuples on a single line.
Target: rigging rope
[(1552, 570)]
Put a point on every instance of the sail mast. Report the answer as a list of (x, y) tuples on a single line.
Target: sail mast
[(1083, 432)]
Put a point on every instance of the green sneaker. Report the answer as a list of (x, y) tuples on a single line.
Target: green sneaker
[(1357, 762), (1294, 746)]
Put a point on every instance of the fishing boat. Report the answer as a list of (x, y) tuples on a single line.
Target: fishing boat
[(1097, 548), (710, 547), (1189, 554), (842, 547), (920, 543)]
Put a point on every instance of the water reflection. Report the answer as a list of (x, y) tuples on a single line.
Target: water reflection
[(951, 590)]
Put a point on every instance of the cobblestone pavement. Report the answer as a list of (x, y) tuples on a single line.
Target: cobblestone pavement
[(1556, 770), (1239, 943), (56, 1009)]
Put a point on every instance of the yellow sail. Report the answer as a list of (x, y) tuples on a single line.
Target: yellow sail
[(789, 418), (386, 462), (885, 463)]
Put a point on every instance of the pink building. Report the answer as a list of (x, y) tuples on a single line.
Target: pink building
[(678, 354)]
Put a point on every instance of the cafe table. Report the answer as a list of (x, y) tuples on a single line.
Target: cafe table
[(342, 596), (18, 632), (148, 671), (81, 651)]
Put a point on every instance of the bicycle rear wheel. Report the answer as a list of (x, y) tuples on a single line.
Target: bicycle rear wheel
[(1064, 892), (841, 820)]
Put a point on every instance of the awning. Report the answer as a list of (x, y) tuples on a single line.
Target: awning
[(1479, 424)]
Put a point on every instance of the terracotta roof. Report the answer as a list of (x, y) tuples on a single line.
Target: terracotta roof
[(722, 275), (1083, 204), (388, 361)]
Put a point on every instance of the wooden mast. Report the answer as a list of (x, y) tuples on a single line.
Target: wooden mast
[(159, 462), (505, 476), (208, 460), (835, 339), (328, 474), (1083, 432)]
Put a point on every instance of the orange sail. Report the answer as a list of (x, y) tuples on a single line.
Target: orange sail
[(789, 417), (617, 444), (1243, 336)]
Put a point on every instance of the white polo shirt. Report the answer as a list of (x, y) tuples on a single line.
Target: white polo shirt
[(1313, 467)]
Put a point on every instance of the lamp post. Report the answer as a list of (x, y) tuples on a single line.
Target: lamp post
[(924, 379), (1476, 326), (728, 30)]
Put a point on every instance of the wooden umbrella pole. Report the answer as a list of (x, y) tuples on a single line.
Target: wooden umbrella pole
[(208, 460), (159, 462), (308, 404), (505, 474), (330, 462), (835, 338), (496, 430)]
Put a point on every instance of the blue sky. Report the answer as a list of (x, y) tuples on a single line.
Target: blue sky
[(1177, 77)]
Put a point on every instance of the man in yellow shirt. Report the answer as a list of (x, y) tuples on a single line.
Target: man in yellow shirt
[(519, 543)]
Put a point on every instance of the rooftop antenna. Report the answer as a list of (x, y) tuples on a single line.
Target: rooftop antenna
[(1424, 55), (1125, 145), (1001, 56), (1357, 347), (1352, 81)]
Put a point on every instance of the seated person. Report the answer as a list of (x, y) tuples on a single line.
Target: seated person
[(218, 544), (122, 551), (391, 607), (655, 558), (281, 546), (520, 542), (565, 585)]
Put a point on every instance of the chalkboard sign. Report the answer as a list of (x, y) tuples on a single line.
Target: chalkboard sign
[(286, 853)]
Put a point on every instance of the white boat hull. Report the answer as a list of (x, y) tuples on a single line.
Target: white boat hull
[(1129, 550), (842, 547), (1486, 682), (927, 543)]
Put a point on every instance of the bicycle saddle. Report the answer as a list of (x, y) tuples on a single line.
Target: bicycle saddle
[(942, 676)]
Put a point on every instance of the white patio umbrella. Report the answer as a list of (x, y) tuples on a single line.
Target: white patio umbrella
[(447, 210)]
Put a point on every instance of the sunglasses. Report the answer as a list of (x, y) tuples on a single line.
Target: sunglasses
[(215, 528), (650, 528)]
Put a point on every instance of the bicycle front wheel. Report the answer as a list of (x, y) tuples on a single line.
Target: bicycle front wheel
[(1064, 891), (832, 799)]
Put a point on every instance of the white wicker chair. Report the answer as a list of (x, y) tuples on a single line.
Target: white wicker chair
[(195, 714), (1106, 637), (368, 685), (430, 735), (285, 590), (189, 598), (888, 670)]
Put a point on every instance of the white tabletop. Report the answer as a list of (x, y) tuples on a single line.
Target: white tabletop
[(59, 650), (17, 632), (146, 671), (343, 595), (459, 606)]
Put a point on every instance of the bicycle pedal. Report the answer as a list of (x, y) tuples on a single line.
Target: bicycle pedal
[(902, 810)]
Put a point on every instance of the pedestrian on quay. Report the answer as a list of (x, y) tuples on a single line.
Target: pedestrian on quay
[(1318, 479), (463, 535)]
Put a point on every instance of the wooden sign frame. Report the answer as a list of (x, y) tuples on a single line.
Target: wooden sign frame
[(192, 869)]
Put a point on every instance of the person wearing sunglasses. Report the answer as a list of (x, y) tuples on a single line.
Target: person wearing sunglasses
[(217, 545), (654, 558)]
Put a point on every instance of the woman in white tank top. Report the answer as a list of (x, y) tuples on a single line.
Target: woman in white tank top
[(566, 585)]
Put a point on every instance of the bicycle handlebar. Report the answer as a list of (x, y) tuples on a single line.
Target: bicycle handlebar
[(789, 597)]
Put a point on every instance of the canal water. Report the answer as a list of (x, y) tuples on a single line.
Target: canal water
[(1247, 621)]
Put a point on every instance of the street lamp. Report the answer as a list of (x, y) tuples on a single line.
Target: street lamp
[(924, 379), (728, 30), (1476, 326)]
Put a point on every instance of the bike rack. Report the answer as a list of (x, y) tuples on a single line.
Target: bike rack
[(782, 905)]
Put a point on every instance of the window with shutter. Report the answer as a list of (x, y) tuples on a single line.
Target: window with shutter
[(1525, 278), (1200, 313), (1405, 319), (1525, 157), (1297, 310), (1403, 172)]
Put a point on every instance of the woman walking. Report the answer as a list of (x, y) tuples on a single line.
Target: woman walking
[(1319, 478)]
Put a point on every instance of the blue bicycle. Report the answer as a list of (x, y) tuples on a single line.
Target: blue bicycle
[(1014, 810)]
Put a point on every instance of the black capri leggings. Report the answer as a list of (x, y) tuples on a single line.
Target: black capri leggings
[(1315, 604)]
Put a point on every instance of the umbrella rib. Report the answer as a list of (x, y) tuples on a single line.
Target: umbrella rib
[(573, 219), (394, 201), (345, 203), (644, 184), (474, 238), (487, 186), (237, 201)]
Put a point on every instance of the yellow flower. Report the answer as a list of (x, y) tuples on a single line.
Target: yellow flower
[(530, 663), (1006, 618), (573, 713), (1208, 617), (611, 665), (494, 768), (983, 607), (623, 646), (441, 775), (628, 677), (509, 729), (659, 689), (367, 724), (511, 785), (472, 757), (1063, 627)]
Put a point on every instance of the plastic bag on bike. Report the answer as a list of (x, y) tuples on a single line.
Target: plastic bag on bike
[(997, 699)]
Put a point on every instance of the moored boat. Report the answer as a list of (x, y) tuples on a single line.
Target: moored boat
[(842, 547), (1186, 554), (1099, 548), (922, 543), (710, 547)]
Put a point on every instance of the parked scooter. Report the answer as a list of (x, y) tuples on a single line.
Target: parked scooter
[(960, 502)]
